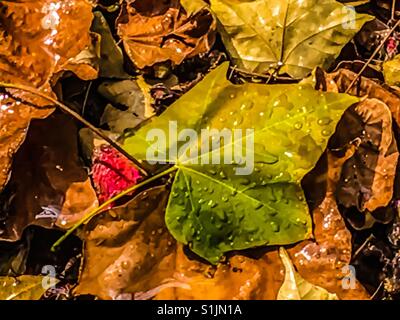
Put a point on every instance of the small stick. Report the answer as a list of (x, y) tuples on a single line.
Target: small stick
[(78, 117), (393, 9)]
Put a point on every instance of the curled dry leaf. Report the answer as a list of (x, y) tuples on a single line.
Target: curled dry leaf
[(37, 40), (368, 176), (47, 180), (156, 31), (324, 261)]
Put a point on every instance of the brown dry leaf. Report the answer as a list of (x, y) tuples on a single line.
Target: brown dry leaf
[(128, 248), (242, 278), (368, 176), (321, 261), (38, 39), (155, 31), (47, 177), (340, 80), (129, 253), (80, 199)]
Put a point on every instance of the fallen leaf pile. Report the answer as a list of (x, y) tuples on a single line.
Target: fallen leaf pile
[(144, 204)]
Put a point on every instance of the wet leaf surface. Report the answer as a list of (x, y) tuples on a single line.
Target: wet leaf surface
[(368, 177), (47, 175), (290, 36), (37, 41), (22, 288), (316, 218), (225, 208), (295, 287), (324, 262), (241, 277), (127, 249), (155, 31)]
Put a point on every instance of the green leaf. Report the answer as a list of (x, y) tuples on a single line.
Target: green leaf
[(23, 287), (111, 57), (391, 71), (293, 36), (295, 287), (210, 206)]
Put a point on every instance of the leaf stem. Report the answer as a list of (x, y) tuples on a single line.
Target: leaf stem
[(106, 204), (78, 117), (372, 56)]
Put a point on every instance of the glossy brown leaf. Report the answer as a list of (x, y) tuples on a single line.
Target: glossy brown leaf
[(321, 261), (47, 178), (38, 39), (127, 249), (368, 176), (156, 31), (129, 254), (242, 278)]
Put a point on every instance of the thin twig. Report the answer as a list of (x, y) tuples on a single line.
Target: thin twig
[(86, 98), (106, 205), (372, 57), (376, 291), (363, 245), (261, 75), (393, 9), (78, 117)]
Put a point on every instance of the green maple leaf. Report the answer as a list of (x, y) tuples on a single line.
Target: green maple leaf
[(295, 287), (293, 35), (213, 208), (23, 287)]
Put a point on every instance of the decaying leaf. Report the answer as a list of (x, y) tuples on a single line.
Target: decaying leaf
[(295, 287), (130, 95), (127, 247), (13, 257), (111, 64), (325, 261), (156, 31), (47, 179), (242, 277), (80, 198), (129, 254), (216, 208), (38, 39), (23, 287), (368, 176), (293, 36)]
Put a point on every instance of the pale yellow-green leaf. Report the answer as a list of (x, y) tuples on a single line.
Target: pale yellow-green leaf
[(23, 287), (391, 71), (293, 36), (193, 6), (295, 287)]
